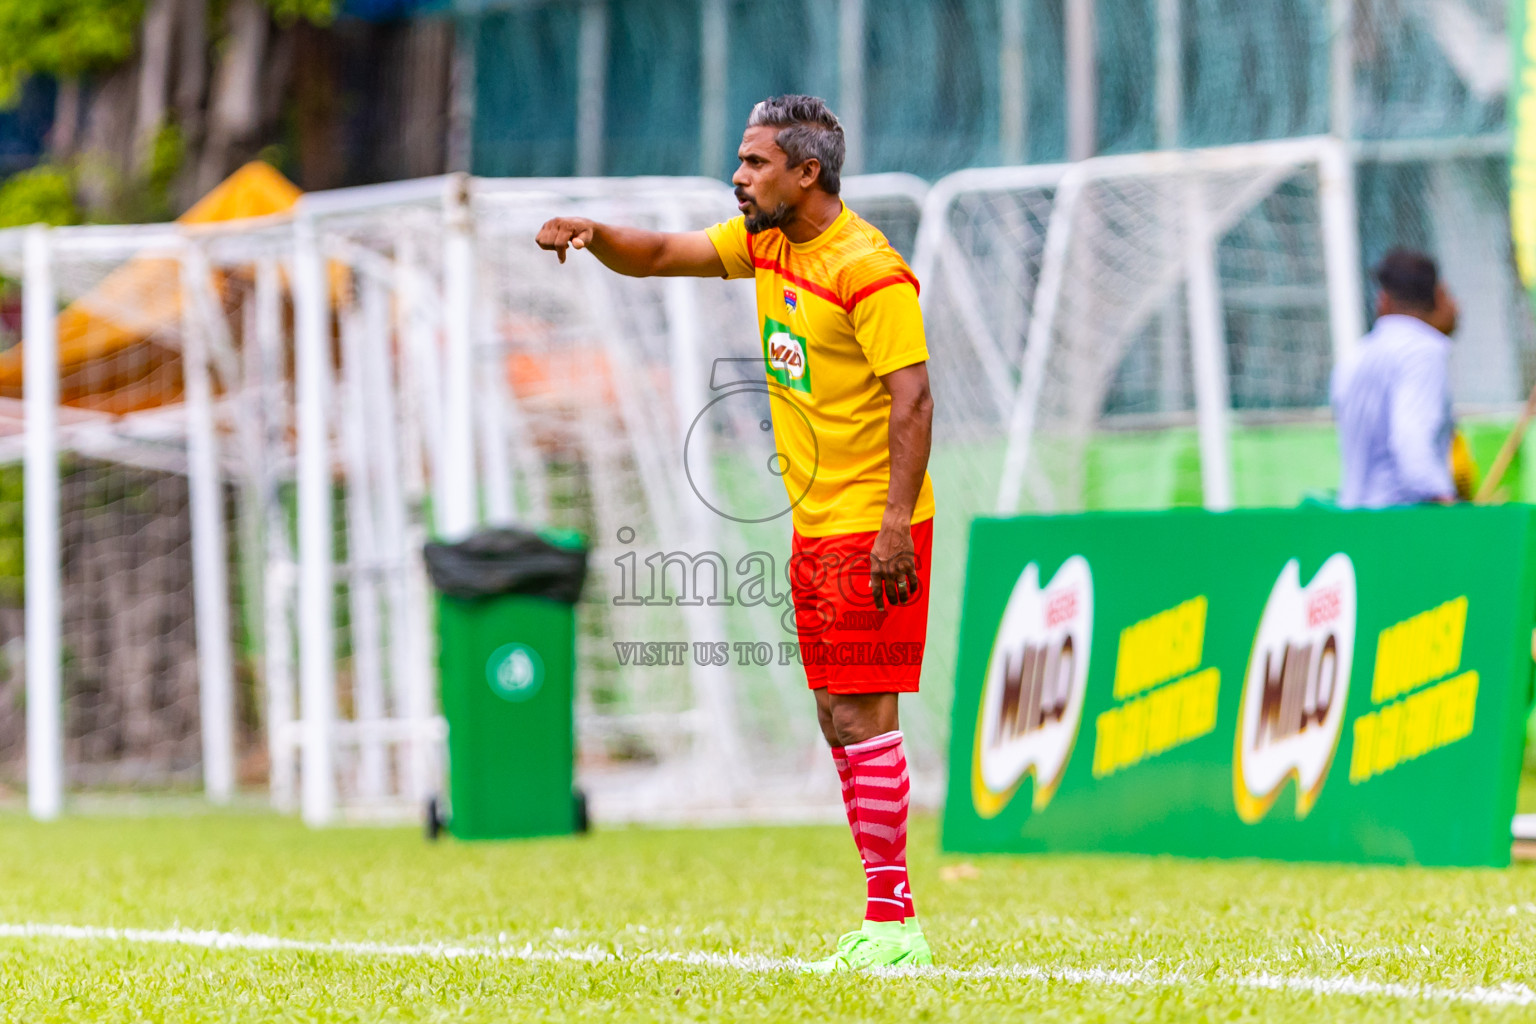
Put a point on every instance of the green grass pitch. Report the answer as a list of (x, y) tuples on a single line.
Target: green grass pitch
[(254, 917)]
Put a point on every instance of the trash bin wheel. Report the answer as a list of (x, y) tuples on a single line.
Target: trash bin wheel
[(580, 822), (433, 818)]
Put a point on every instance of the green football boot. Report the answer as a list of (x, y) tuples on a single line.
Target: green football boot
[(876, 944), (919, 955)]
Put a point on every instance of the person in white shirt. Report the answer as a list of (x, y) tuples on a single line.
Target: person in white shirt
[(1392, 398)]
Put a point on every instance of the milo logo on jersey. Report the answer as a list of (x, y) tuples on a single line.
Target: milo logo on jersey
[(1032, 698), (1296, 688), (786, 356)]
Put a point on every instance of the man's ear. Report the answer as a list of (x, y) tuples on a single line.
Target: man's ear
[(810, 172)]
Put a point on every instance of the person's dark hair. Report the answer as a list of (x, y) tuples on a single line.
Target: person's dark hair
[(1409, 277), (807, 128)]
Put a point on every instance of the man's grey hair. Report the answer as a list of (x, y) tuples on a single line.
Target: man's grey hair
[(807, 128)]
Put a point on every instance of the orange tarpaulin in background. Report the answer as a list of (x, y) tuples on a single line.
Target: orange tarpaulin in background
[(119, 343), (120, 340)]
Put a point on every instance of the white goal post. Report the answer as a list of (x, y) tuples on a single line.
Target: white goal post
[(1049, 274)]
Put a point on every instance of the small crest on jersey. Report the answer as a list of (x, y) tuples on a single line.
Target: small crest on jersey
[(791, 299)]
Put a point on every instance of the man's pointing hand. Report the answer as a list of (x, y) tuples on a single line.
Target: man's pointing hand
[(557, 234)]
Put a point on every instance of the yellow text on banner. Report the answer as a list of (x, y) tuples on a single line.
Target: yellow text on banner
[(1412, 727), (1168, 717)]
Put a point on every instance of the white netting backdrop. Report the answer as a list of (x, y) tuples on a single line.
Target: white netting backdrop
[(1093, 267)]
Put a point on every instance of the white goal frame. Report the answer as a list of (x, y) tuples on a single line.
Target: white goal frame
[(935, 256)]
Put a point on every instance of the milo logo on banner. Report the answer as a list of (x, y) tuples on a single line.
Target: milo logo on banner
[(1296, 688), (784, 353), (1032, 697)]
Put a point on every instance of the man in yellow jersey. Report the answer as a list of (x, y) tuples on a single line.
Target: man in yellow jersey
[(843, 344)]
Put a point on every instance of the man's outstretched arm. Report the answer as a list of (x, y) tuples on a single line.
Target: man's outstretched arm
[(635, 252)]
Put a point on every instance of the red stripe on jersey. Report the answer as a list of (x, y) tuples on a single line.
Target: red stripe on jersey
[(884, 282), (818, 290)]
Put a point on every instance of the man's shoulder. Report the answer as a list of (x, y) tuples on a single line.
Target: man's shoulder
[(1420, 357), (1388, 351), (1406, 336), (865, 262), (764, 245), (733, 234), (860, 243)]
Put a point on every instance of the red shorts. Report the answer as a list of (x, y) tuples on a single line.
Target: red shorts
[(846, 644)]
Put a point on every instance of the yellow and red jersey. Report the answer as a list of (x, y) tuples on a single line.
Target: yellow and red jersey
[(835, 315)]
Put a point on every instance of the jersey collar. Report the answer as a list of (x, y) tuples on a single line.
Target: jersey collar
[(826, 236)]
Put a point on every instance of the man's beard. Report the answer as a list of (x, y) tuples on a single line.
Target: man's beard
[(763, 220)]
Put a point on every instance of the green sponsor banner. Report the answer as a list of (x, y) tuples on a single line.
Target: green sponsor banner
[(1302, 684)]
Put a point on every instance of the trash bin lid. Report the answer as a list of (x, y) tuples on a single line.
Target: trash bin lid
[(570, 540), (510, 560)]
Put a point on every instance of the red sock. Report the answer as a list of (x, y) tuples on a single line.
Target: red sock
[(880, 790), (845, 778)]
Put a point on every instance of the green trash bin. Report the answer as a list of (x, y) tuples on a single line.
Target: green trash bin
[(506, 667)]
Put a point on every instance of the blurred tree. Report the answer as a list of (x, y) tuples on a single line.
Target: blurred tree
[(159, 100), (65, 39), (42, 195), (209, 75), (317, 12), (251, 68)]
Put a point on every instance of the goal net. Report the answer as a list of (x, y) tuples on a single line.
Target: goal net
[(1132, 292), (129, 676), (259, 425)]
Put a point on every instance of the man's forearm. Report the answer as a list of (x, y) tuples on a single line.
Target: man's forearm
[(634, 251), (629, 251), (911, 439)]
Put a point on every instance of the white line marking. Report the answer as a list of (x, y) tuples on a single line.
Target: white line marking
[(1506, 994)]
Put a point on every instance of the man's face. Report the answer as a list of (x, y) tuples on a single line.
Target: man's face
[(1443, 317), (768, 190)]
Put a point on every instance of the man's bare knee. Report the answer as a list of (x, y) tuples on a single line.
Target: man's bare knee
[(860, 716), (824, 717)]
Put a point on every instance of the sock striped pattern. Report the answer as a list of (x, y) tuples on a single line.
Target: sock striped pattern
[(880, 795), (845, 779)]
